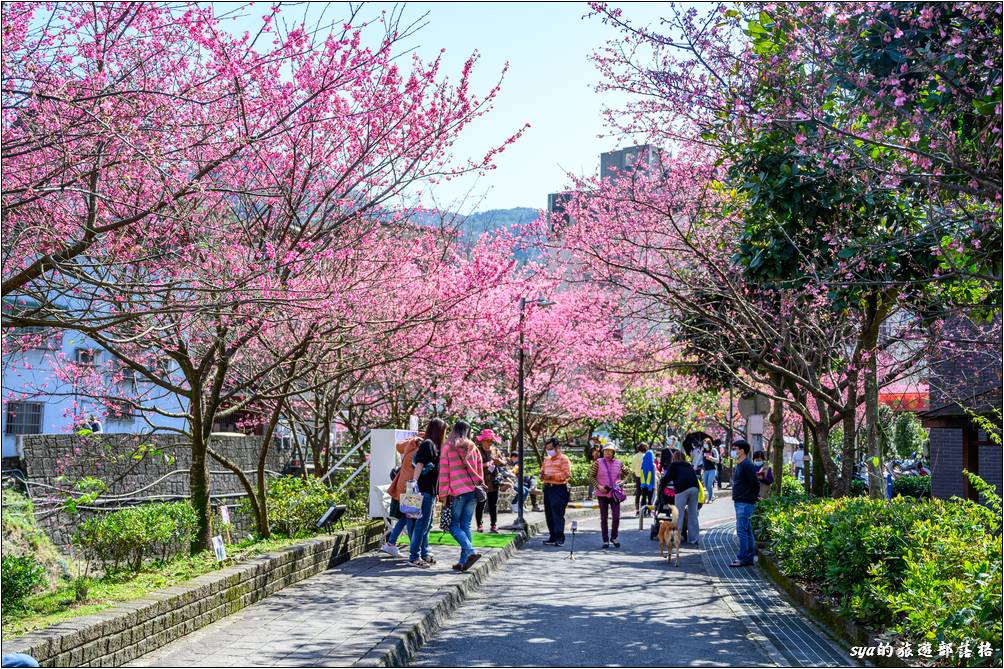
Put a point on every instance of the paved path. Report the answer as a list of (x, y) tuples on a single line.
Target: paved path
[(331, 619), (623, 607), (791, 639)]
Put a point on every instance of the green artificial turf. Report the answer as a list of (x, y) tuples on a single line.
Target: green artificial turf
[(480, 540)]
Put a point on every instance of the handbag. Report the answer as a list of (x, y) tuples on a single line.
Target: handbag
[(446, 516), (411, 502), (617, 493)]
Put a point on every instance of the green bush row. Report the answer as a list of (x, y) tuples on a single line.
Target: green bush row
[(295, 504), (925, 570), (127, 536), (912, 486), (21, 576)]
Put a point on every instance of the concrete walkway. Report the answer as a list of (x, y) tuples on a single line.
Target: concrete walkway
[(347, 615), (617, 607)]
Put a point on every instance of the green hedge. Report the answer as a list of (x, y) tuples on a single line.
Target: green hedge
[(295, 504), (912, 486), (925, 570), (128, 536), (22, 575)]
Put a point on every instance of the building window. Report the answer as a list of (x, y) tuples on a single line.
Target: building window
[(85, 356), (128, 382), (121, 411), (24, 418)]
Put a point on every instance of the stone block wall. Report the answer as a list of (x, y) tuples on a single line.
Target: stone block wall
[(136, 468), (122, 633), (946, 462)]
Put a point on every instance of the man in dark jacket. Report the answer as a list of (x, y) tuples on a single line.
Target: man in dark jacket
[(745, 490)]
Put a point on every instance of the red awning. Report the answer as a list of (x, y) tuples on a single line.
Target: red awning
[(904, 401)]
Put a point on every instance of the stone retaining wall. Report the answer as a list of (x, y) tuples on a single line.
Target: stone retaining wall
[(124, 632), (135, 466)]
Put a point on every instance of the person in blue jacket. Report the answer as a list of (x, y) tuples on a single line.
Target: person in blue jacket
[(646, 482)]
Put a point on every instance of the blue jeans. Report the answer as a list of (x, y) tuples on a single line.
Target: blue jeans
[(709, 484), (463, 510), (744, 530), (419, 534), (402, 523)]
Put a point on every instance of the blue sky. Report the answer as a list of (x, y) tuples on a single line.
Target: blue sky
[(549, 84)]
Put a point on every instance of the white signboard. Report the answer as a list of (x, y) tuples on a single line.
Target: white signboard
[(219, 548), (383, 458)]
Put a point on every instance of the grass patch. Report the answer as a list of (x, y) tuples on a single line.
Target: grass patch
[(479, 540), (53, 607)]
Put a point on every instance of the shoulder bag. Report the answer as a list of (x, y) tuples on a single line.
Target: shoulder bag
[(617, 493), (480, 492)]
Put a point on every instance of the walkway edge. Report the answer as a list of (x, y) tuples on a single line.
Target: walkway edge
[(846, 633), (404, 641), (768, 647)]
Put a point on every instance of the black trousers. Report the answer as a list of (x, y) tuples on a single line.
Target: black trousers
[(493, 508), (555, 501)]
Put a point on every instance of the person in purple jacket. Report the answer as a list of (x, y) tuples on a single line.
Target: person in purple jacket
[(605, 475)]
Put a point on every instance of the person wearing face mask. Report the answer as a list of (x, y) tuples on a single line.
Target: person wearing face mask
[(554, 474), (764, 473), (745, 491), (605, 475)]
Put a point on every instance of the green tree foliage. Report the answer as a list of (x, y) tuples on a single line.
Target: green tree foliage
[(649, 413), (909, 435)]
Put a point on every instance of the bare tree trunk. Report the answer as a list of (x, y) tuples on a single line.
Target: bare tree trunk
[(199, 475), (777, 436), (876, 486)]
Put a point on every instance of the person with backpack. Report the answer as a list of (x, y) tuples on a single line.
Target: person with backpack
[(685, 484), (406, 449), (425, 477), (493, 465), (461, 485), (605, 475)]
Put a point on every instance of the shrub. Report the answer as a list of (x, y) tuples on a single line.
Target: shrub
[(926, 570), (295, 504), (22, 575), (912, 486), (858, 488), (792, 487), (129, 535)]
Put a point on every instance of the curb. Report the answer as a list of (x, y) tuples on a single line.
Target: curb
[(847, 633), (404, 641)]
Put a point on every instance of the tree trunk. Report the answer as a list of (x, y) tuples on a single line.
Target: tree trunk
[(777, 437), (849, 456), (876, 485), (819, 435), (199, 475), (807, 449)]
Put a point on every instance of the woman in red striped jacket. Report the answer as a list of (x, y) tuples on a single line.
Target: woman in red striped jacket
[(460, 472)]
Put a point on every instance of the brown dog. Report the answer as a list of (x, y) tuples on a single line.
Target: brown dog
[(669, 536)]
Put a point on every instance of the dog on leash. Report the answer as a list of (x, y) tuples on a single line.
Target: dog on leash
[(669, 536)]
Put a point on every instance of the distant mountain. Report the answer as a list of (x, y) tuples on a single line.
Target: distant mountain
[(472, 226)]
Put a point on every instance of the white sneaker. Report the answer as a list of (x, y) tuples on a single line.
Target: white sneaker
[(390, 549)]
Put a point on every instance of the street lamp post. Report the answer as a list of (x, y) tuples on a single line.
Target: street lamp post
[(520, 523)]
